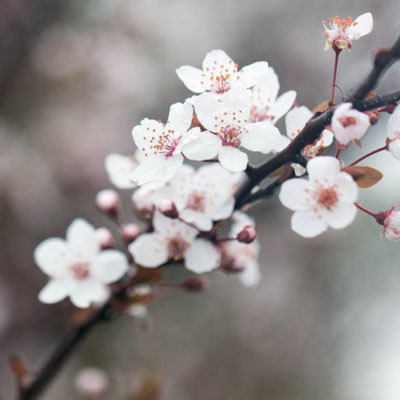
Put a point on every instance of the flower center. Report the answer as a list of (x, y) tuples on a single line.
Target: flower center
[(196, 201), (339, 24), (80, 270), (347, 121), (176, 248), (260, 114), (327, 198), (230, 136), (165, 143)]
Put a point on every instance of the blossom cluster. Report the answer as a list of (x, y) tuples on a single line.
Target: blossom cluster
[(231, 113)]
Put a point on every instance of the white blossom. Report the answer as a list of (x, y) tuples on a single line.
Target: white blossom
[(242, 256), (348, 124), (174, 240), (295, 121), (392, 226), (325, 200), (120, 169), (341, 32), (393, 130), (161, 145), (77, 266), (266, 105), (228, 128), (220, 74)]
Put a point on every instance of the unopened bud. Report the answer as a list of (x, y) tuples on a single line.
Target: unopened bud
[(105, 238), (91, 383), (130, 232), (168, 208), (247, 235), (195, 284), (108, 202), (373, 117)]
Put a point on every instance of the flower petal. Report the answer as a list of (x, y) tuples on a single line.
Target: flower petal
[(341, 216), (119, 169), (209, 111), (348, 189), (192, 78), (296, 119), (198, 219), (202, 256), (88, 292), (295, 194), (251, 275), (307, 224), (82, 239), (393, 126), (200, 145), (233, 159), (109, 266), (149, 250), (323, 169), (218, 60), (158, 168), (179, 118), (252, 74), (361, 26), (266, 91), (282, 105), (260, 136), (55, 290)]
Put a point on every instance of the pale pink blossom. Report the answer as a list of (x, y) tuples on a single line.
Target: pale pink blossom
[(349, 125), (266, 105), (393, 130), (220, 74), (341, 32), (174, 240), (325, 200), (392, 226), (228, 128), (77, 266)]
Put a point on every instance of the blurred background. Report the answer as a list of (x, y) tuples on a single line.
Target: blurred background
[(75, 77)]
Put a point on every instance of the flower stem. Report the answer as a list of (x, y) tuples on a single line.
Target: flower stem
[(379, 149), (335, 67), (371, 213)]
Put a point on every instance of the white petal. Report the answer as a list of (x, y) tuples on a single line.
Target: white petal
[(296, 119), (266, 91), (295, 194), (198, 219), (233, 159), (82, 239), (53, 257), (149, 250), (180, 118), (216, 58), (149, 129), (119, 169), (394, 148), (157, 169), (209, 111), (261, 136), (192, 78), (201, 145), (170, 228), (307, 224), (299, 170), (202, 256), (326, 138), (282, 105), (252, 74), (238, 104), (341, 216), (251, 275), (109, 266), (348, 189), (364, 24), (394, 124), (323, 169), (54, 291), (88, 292)]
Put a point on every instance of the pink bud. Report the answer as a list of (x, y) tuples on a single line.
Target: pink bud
[(108, 202), (105, 238), (168, 208), (130, 232), (91, 383), (195, 284), (247, 235)]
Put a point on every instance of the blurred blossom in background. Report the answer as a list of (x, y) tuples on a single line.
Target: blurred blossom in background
[(75, 77)]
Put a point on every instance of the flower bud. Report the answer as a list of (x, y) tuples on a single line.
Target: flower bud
[(91, 383), (105, 238), (247, 235), (195, 284), (168, 208), (108, 202), (373, 117), (130, 232), (392, 226)]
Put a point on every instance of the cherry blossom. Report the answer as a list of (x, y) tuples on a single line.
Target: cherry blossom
[(220, 74), (392, 226), (295, 121), (325, 200), (228, 128), (120, 169), (341, 32), (174, 240), (348, 124), (266, 105), (242, 256), (77, 266), (393, 130), (91, 383), (161, 145)]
